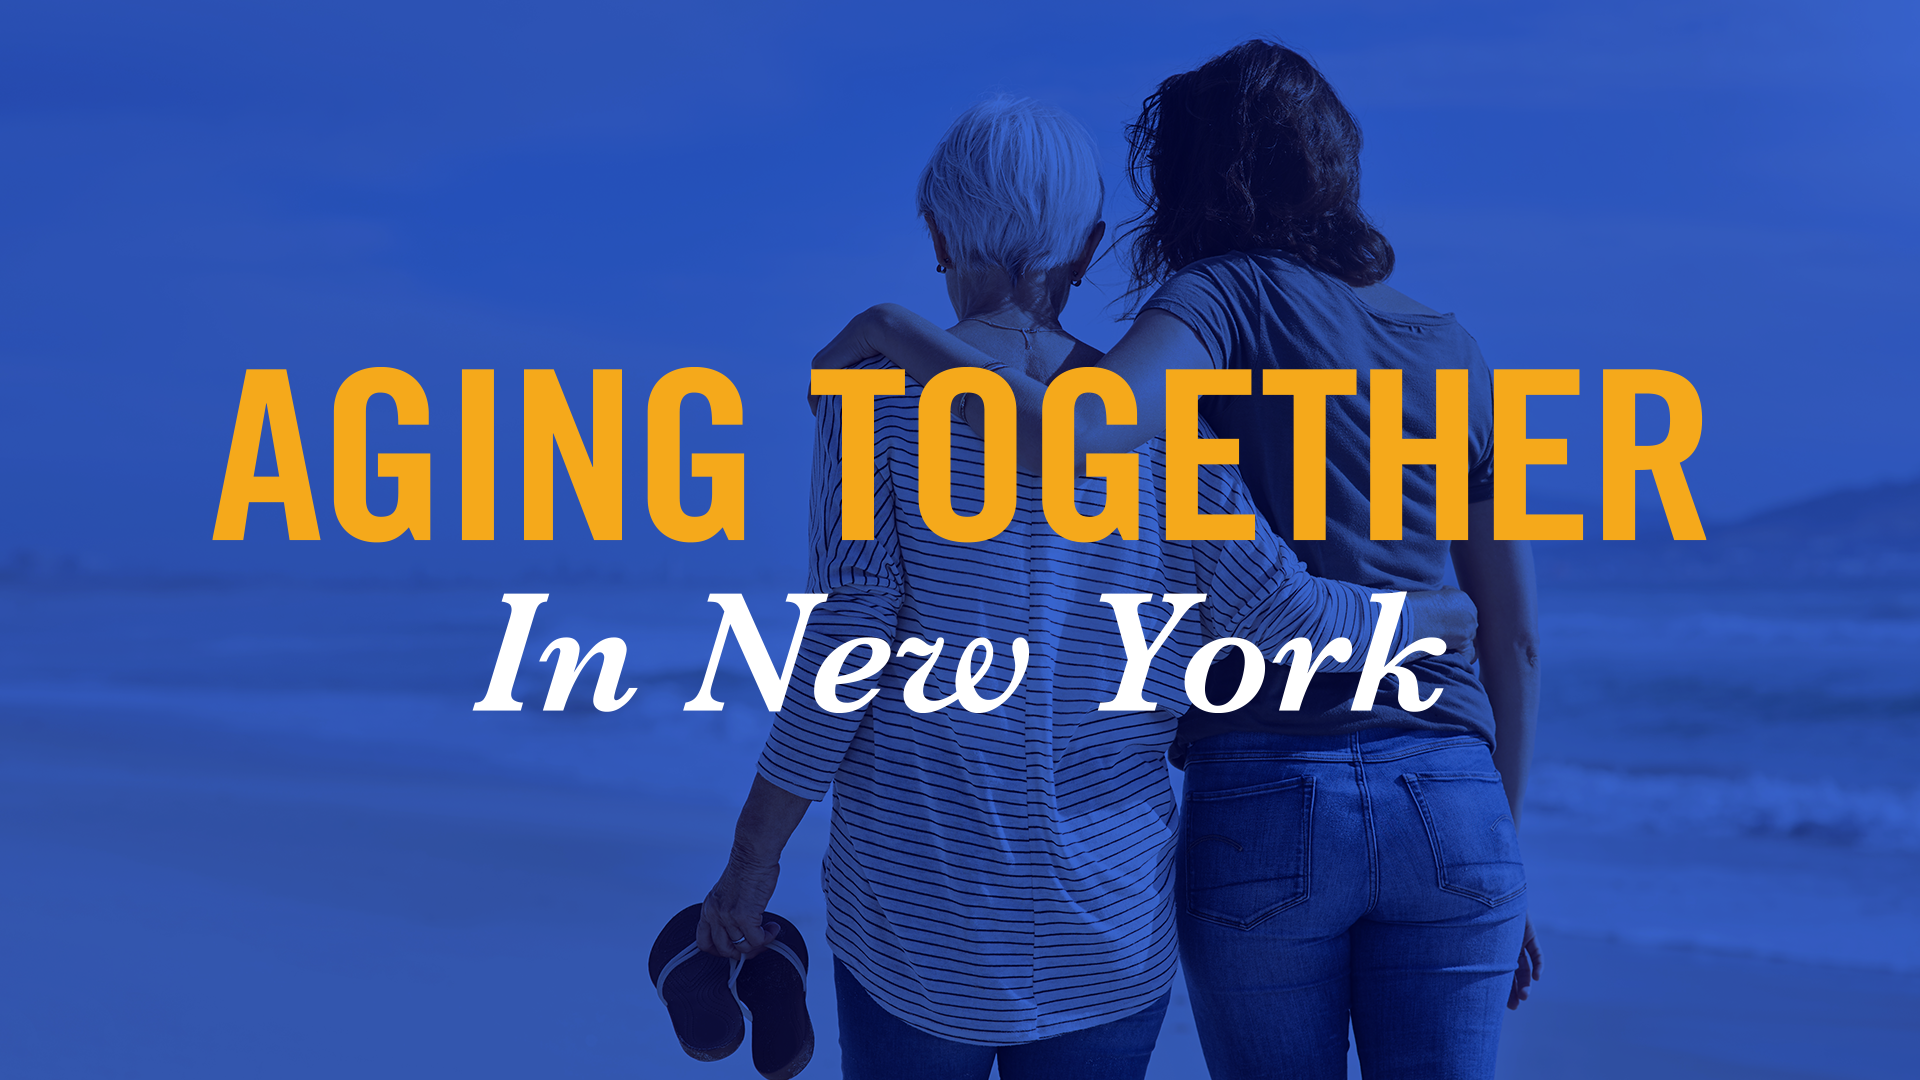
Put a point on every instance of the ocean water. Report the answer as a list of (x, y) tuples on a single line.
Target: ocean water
[(213, 774), (1732, 768)]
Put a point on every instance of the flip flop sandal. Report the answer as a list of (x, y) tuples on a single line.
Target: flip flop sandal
[(697, 988), (772, 988)]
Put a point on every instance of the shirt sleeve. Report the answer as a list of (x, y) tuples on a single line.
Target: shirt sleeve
[(863, 583), (1195, 297), (1259, 589), (1480, 413)]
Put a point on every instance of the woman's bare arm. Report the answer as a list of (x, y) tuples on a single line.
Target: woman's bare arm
[(1155, 343), (1498, 576), (737, 904)]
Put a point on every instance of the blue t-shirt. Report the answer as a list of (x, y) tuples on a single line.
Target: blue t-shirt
[(1264, 309)]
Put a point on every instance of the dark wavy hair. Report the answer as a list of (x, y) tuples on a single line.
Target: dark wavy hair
[(1250, 151)]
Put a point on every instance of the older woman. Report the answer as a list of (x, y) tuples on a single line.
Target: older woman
[(999, 879)]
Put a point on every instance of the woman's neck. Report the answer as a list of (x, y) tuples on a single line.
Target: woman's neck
[(1004, 311), (1016, 324), (987, 292)]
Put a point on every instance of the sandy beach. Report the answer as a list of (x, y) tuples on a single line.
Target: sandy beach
[(187, 899)]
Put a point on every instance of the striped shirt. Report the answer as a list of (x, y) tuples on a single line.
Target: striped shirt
[(1005, 876)]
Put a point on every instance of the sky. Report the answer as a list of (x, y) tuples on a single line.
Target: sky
[(1723, 190)]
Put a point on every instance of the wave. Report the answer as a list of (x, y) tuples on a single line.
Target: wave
[(1765, 806)]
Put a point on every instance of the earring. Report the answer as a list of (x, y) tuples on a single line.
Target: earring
[(1076, 282), (940, 268)]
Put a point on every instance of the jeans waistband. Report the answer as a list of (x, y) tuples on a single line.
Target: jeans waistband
[(1373, 744)]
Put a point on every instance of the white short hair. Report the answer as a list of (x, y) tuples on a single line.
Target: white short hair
[(1014, 184)]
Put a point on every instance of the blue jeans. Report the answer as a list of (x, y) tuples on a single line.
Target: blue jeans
[(1374, 876), (877, 1045)]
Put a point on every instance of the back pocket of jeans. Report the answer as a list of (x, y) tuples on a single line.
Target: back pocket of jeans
[(1476, 852), (1244, 852)]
